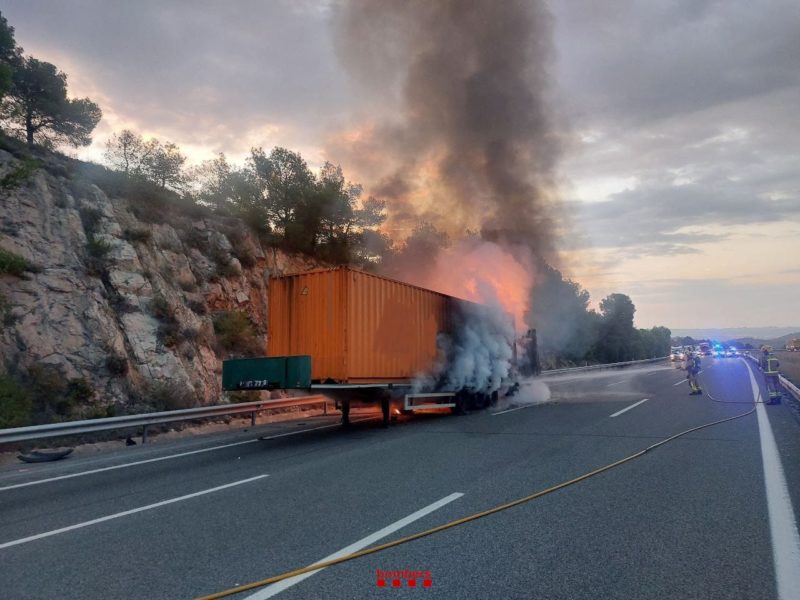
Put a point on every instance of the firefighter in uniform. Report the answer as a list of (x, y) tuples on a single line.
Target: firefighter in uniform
[(693, 365), (771, 374)]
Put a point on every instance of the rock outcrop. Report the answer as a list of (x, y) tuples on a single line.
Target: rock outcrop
[(119, 297)]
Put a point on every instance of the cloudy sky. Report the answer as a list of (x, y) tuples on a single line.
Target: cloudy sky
[(680, 171)]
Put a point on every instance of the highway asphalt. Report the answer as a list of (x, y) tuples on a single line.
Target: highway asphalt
[(703, 516)]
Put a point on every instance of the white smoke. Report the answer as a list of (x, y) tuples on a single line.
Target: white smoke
[(477, 355), (531, 391)]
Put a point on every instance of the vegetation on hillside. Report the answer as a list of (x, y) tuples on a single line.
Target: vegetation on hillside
[(569, 332), (35, 105)]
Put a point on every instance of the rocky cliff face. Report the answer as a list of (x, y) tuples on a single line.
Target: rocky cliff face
[(123, 298)]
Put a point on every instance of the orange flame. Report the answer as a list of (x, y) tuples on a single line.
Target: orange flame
[(483, 272)]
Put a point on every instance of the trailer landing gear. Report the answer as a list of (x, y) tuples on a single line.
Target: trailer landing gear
[(345, 413)]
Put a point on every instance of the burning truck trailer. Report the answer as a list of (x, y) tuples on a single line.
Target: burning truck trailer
[(364, 339)]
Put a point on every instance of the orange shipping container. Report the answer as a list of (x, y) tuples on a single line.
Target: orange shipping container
[(357, 327)]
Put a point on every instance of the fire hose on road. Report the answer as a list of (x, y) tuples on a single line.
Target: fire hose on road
[(475, 516)]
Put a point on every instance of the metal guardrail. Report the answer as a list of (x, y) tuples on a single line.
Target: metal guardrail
[(789, 387), (604, 366), (36, 432), (785, 383)]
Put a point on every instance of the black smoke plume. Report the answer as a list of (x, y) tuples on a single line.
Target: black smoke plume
[(466, 140)]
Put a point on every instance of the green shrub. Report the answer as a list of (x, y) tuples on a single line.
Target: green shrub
[(117, 365), (12, 264), (227, 270), (197, 306), (6, 316), (190, 334), (16, 408), (79, 391), (140, 235), (240, 248), (19, 174), (120, 303), (90, 218), (97, 247), (100, 412), (225, 267), (169, 333), (195, 238), (236, 335), (187, 285), (53, 395), (169, 395), (160, 308), (247, 260)]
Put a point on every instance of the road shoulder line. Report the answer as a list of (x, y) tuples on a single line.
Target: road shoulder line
[(782, 524)]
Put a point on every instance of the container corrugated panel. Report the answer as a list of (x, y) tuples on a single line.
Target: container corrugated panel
[(307, 316), (357, 327)]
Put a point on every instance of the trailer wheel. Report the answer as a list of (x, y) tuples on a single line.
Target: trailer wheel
[(480, 401), (463, 403)]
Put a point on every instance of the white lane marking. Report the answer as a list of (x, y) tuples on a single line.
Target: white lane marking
[(680, 382), (782, 525), (277, 588), (125, 513), (169, 457), (619, 412), (502, 412), (615, 383)]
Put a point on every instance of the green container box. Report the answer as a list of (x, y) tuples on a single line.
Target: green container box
[(266, 373), (298, 372)]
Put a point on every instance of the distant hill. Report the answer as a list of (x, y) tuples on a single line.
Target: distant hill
[(741, 333), (778, 342)]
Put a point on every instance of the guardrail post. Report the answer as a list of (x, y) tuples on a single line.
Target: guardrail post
[(324, 407), (253, 418), (144, 434)]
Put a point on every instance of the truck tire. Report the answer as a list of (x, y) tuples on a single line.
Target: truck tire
[(481, 401), (463, 403)]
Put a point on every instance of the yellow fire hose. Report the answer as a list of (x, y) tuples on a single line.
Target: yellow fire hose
[(467, 519)]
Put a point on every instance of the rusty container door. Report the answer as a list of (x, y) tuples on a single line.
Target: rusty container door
[(391, 328), (307, 315)]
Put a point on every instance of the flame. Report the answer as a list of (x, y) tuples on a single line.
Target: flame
[(483, 272)]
